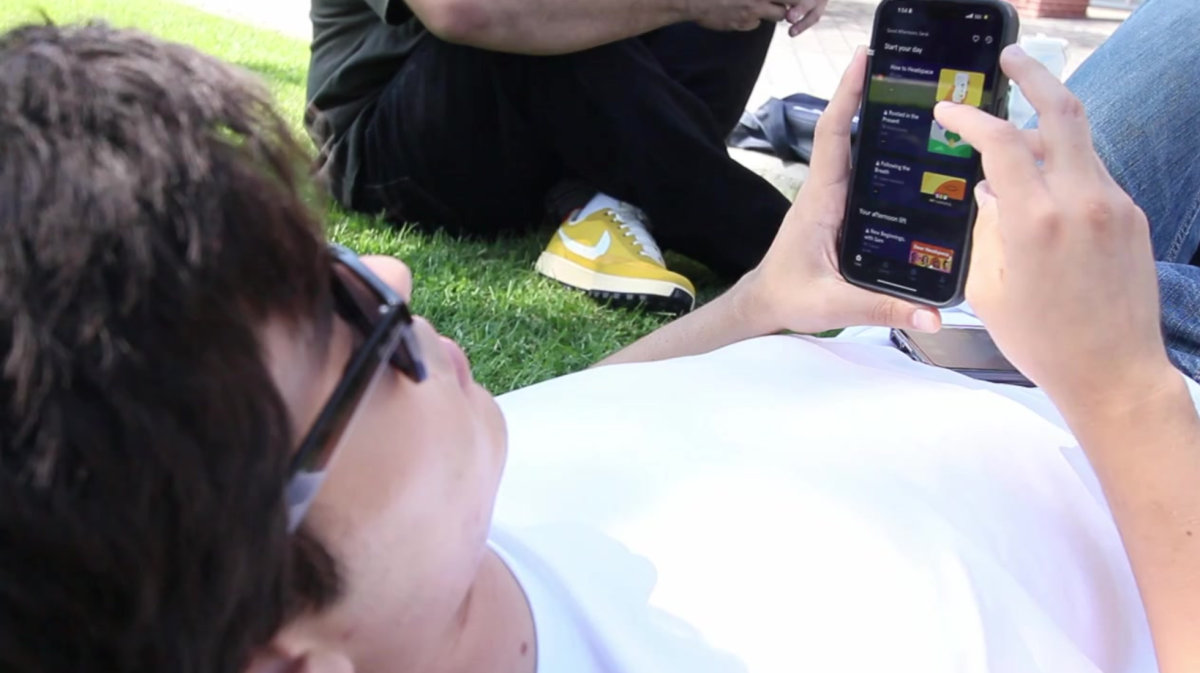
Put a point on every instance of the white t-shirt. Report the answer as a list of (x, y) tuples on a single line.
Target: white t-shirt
[(793, 504)]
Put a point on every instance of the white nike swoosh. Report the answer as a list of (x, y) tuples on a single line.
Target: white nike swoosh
[(591, 252)]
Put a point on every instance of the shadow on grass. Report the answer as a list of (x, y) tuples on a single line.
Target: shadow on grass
[(273, 71)]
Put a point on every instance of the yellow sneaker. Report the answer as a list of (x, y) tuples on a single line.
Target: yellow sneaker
[(610, 256)]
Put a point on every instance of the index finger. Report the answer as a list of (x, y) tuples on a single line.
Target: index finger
[(1068, 138), (809, 20), (799, 9), (831, 141), (1008, 161)]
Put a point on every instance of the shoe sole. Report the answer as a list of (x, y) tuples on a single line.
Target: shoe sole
[(655, 295)]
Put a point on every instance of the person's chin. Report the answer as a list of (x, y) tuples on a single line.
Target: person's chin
[(495, 437), (495, 424)]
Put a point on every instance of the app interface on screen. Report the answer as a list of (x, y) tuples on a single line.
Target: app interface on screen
[(907, 222)]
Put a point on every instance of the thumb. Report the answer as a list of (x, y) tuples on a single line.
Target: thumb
[(984, 195), (897, 313), (857, 306)]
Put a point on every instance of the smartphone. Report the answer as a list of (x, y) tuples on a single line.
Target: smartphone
[(910, 211), (967, 350)]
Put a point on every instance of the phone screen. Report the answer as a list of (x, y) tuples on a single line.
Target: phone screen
[(911, 203), (960, 348)]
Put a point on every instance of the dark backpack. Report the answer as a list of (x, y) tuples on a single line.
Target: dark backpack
[(783, 128)]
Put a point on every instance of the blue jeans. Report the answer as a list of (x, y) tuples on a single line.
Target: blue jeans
[(1141, 90)]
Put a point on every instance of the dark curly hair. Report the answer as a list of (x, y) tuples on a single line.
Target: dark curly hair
[(151, 220)]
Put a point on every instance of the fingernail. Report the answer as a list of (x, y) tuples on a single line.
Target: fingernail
[(1016, 50), (925, 321), (859, 51)]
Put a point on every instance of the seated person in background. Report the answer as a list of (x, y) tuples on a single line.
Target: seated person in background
[(182, 488), (481, 115)]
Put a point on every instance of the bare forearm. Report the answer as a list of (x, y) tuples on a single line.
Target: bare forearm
[(730, 318), (1146, 454), (543, 27)]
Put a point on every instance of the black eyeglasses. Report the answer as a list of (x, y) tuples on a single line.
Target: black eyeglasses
[(382, 318)]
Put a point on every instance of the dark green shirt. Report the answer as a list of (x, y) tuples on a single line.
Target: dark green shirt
[(357, 47)]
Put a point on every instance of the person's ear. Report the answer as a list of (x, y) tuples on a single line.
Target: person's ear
[(276, 659)]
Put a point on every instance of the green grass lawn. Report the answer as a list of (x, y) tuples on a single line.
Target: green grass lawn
[(517, 327)]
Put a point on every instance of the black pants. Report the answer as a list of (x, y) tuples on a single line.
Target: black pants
[(472, 140)]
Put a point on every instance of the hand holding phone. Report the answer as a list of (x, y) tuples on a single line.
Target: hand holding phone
[(909, 215), (797, 286)]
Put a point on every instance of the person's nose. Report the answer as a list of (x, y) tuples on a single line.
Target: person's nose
[(393, 272)]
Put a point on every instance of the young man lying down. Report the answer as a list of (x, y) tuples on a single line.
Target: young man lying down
[(226, 446)]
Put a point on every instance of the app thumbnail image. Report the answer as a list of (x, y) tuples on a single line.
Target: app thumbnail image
[(929, 256), (943, 141), (943, 187), (961, 86)]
